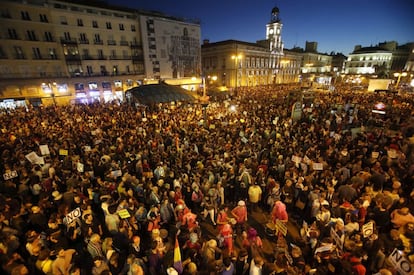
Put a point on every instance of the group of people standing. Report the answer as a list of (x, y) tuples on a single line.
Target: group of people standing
[(112, 188)]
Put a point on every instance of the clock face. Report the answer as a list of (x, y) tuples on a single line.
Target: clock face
[(271, 31)]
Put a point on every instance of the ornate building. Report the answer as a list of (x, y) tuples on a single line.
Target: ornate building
[(59, 51), (233, 63)]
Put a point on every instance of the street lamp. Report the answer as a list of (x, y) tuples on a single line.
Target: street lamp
[(399, 75), (236, 59)]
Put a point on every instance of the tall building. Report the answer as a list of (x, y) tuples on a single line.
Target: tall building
[(233, 63), (59, 51)]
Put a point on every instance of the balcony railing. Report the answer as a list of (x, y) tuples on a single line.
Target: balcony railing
[(83, 41), (137, 58), (123, 43), (111, 42), (135, 45), (98, 42), (65, 40), (72, 57)]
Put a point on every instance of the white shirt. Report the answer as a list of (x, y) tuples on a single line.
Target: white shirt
[(254, 269)]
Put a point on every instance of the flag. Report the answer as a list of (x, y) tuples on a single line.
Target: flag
[(178, 265)]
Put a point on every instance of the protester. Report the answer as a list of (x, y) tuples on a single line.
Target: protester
[(130, 172)]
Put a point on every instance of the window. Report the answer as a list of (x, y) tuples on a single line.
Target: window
[(67, 36), (12, 34), (100, 54), (121, 27), (94, 24), (43, 18), (98, 39), (63, 20), (125, 54), (36, 53), (113, 54), (89, 70), (48, 37), (103, 70), (83, 39), (2, 53), (109, 25), (85, 54), (25, 15), (80, 22), (5, 14), (18, 52), (133, 28), (52, 53), (31, 35)]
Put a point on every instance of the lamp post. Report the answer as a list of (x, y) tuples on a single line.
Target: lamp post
[(236, 59), (399, 75)]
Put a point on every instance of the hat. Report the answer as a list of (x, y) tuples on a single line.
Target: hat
[(241, 203), (56, 195)]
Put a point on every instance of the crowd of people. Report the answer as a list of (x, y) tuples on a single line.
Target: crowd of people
[(115, 188)]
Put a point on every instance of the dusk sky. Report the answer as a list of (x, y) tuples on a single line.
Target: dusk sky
[(334, 24)]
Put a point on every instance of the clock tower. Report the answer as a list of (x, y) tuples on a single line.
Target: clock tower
[(274, 33)]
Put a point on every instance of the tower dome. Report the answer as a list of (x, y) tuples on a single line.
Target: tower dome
[(275, 15)]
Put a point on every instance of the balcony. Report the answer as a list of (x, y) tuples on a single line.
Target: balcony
[(111, 42), (73, 57), (83, 41), (19, 56), (134, 45), (118, 57), (123, 43), (137, 58), (87, 57), (64, 40), (98, 42)]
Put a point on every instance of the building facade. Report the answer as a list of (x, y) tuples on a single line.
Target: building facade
[(233, 63), (61, 51)]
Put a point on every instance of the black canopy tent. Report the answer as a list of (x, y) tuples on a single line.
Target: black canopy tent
[(159, 93)]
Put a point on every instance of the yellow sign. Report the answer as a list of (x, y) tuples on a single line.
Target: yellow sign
[(281, 227), (124, 214), (63, 152)]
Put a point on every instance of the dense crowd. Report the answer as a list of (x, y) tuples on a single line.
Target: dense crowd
[(112, 188)]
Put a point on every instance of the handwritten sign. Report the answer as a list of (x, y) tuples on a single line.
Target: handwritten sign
[(400, 263), (338, 241), (10, 175), (76, 213), (368, 229), (317, 166), (63, 152), (44, 150), (124, 214)]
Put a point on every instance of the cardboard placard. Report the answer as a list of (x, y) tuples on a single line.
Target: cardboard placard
[(124, 214), (10, 175), (76, 213), (401, 263), (44, 150), (368, 229)]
